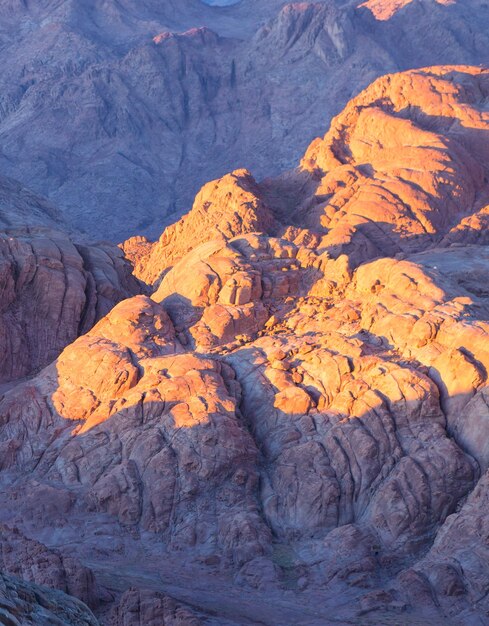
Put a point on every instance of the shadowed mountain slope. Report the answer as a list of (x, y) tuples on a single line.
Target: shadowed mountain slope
[(119, 111), (54, 284)]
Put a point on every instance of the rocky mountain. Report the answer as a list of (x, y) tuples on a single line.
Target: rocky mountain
[(291, 425), (120, 111)]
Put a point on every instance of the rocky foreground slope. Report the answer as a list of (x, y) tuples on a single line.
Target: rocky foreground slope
[(120, 111), (293, 427)]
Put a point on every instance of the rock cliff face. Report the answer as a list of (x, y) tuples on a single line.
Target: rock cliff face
[(54, 286), (34, 562), (294, 423), (120, 111)]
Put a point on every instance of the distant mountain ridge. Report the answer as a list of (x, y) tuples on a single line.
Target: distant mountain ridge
[(120, 127)]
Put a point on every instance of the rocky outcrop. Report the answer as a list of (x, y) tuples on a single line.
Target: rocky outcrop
[(402, 168), (109, 386), (223, 209), (235, 286), (327, 426), (454, 570), (402, 165), (23, 603), (32, 561), (53, 291), (151, 609)]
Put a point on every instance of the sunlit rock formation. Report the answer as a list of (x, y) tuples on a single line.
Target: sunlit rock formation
[(294, 422)]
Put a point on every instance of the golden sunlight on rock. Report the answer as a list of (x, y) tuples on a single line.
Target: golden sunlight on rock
[(385, 9)]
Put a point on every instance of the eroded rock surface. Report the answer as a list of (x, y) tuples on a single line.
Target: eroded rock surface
[(223, 209), (403, 166)]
